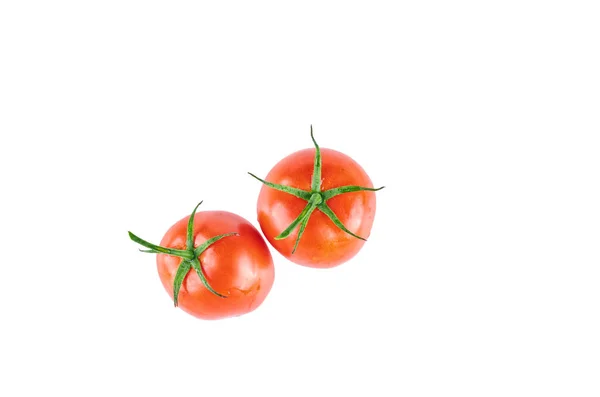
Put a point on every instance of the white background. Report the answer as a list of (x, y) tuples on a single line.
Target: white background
[(481, 276)]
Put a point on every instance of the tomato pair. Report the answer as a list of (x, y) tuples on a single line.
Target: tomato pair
[(316, 207)]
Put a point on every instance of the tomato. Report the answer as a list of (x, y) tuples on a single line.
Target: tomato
[(316, 207), (213, 264)]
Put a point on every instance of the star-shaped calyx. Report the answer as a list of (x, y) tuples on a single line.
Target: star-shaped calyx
[(190, 256), (315, 198)]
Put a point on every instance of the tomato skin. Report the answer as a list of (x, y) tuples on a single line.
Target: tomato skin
[(239, 267), (323, 245)]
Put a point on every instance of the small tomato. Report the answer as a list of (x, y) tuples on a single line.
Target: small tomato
[(214, 264), (316, 207)]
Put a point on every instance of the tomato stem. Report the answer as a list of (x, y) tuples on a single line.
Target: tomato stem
[(304, 215), (201, 248), (157, 249), (316, 176), (316, 199), (198, 268), (346, 189), (190, 256), (303, 194), (190, 229), (324, 208), (182, 271)]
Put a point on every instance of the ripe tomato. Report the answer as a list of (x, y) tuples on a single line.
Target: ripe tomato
[(214, 264), (323, 201)]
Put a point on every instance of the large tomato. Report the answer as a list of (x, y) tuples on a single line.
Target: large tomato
[(316, 207), (214, 264)]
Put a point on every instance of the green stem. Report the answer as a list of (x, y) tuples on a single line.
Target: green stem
[(316, 176), (347, 189), (302, 227), (190, 229), (201, 248), (288, 230), (198, 268), (182, 271), (286, 189), (163, 250), (324, 208)]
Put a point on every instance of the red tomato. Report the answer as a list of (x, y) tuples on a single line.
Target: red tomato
[(316, 207), (235, 271)]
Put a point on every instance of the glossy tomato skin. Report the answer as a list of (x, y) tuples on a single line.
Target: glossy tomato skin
[(239, 267), (323, 245)]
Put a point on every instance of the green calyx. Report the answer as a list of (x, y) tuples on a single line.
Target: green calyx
[(315, 198), (190, 256)]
